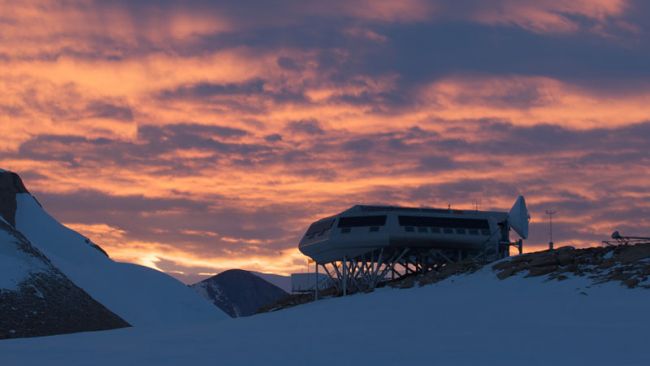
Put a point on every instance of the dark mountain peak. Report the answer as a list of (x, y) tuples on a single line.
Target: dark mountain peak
[(233, 274), (239, 292), (10, 186)]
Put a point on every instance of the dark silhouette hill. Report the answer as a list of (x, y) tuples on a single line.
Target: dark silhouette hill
[(238, 292)]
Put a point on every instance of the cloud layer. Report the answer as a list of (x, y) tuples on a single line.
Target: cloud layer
[(198, 136)]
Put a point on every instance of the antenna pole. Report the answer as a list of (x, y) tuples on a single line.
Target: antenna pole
[(550, 214)]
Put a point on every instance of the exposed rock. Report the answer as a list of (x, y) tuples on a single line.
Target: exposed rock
[(633, 253), (407, 282), (297, 299), (566, 256), (625, 264), (631, 282), (10, 185), (506, 272), (544, 260), (542, 270)]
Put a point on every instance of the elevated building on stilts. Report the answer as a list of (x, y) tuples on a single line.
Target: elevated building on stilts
[(364, 246)]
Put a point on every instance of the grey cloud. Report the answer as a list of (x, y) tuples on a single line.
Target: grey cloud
[(306, 127), (102, 109), (208, 89), (275, 137)]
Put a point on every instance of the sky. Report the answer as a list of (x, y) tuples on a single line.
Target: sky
[(199, 136)]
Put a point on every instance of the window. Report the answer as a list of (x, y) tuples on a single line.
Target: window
[(319, 227), (374, 228), (346, 230), (422, 229), (435, 230), (461, 231), (410, 229), (356, 221), (473, 232), (451, 222), (485, 232), (448, 230)]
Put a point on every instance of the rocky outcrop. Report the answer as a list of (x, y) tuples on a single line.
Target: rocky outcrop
[(10, 185), (44, 301), (627, 264)]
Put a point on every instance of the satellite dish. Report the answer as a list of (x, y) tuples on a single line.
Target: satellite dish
[(616, 235), (518, 217)]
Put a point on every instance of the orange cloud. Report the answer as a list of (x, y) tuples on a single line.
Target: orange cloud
[(530, 100), (548, 16)]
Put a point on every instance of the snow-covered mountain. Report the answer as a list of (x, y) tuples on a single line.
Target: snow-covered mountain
[(139, 295), (238, 292), (283, 282), (36, 299)]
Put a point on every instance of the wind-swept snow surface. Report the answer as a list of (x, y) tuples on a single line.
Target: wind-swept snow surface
[(283, 282), (141, 296), (473, 319), (16, 265)]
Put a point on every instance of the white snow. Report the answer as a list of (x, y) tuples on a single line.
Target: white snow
[(15, 265), (467, 320), (140, 295), (283, 282)]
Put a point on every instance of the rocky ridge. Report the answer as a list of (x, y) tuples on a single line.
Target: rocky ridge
[(628, 265)]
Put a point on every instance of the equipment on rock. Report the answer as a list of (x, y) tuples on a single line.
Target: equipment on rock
[(619, 239)]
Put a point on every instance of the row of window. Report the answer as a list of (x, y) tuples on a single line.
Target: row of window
[(447, 230), (434, 230), (423, 224), (448, 222), (357, 221), (408, 209)]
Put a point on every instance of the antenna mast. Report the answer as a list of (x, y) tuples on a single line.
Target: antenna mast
[(550, 214)]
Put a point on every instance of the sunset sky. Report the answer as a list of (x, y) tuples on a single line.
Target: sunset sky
[(199, 136)]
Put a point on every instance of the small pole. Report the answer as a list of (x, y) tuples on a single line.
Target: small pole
[(316, 289), (550, 214), (345, 275)]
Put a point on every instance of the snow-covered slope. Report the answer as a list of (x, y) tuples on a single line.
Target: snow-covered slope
[(471, 319), (238, 292), (283, 282), (140, 295), (36, 299)]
